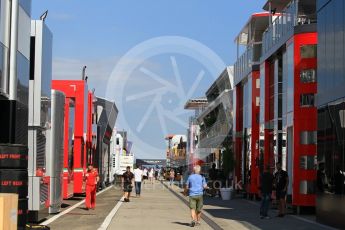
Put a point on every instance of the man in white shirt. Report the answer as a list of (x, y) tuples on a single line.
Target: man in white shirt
[(138, 177), (145, 175)]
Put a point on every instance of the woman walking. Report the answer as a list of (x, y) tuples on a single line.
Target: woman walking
[(151, 172), (145, 174), (172, 176)]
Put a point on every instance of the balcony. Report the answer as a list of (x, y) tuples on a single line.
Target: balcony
[(215, 135), (223, 83), (216, 121), (296, 14), (244, 64)]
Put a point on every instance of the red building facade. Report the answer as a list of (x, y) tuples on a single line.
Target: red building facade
[(276, 117), (247, 97)]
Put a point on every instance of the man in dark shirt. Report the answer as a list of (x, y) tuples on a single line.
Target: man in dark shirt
[(213, 179), (281, 183), (266, 191), (127, 183)]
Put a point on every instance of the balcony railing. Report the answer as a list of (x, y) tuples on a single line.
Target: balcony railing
[(220, 128), (284, 24), (244, 63)]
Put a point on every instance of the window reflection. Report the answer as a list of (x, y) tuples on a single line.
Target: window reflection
[(308, 137), (308, 76), (23, 73), (307, 100), (309, 51), (3, 80), (290, 77), (331, 171)]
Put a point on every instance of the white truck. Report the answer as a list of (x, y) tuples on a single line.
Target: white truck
[(120, 158)]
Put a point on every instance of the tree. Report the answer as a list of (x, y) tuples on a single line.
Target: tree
[(228, 158)]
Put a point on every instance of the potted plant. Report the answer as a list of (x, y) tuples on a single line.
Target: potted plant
[(228, 165)]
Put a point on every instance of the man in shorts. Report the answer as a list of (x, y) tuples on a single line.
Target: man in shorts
[(196, 184), (281, 179), (127, 183)]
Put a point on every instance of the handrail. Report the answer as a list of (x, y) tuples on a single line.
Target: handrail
[(219, 128), (284, 25), (245, 62)]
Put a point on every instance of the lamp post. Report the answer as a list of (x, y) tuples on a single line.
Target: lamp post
[(168, 138)]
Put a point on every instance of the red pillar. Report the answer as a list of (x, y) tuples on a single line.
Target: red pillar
[(255, 174), (239, 132), (305, 119)]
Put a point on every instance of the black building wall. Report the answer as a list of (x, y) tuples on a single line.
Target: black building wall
[(330, 204)]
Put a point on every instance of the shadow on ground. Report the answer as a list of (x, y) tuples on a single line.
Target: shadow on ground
[(247, 213), (181, 223)]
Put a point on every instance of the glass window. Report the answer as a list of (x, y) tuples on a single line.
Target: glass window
[(262, 93), (290, 78), (3, 80), (309, 51), (307, 187), (342, 118), (308, 137), (308, 76), (23, 74), (308, 162), (307, 100)]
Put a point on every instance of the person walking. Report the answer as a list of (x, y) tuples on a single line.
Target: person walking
[(145, 174), (215, 183), (172, 176), (281, 179), (151, 172), (127, 183), (138, 177), (156, 173), (195, 186), (92, 179), (266, 192)]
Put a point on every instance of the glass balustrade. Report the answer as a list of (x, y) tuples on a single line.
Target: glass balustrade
[(283, 25), (244, 63)]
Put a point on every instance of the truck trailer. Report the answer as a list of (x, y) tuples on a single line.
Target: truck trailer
[(77, 115)]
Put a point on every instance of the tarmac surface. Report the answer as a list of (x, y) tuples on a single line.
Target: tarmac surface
[(163, 207), (82, 219), (239, 213), (157, 208)]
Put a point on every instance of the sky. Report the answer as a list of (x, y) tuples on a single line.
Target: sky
[(149, 56)]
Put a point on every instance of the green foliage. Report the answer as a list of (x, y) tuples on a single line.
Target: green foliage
[(228, 159), (210, 120)]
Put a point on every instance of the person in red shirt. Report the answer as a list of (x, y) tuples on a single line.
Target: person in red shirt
[(92, 179)]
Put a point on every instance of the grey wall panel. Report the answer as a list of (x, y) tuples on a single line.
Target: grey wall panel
[(338, 42), (331, 52), (331, 87), (321, 3)]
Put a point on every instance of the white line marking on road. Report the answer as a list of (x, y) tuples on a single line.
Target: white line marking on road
[(71, 208), (110, 216)]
